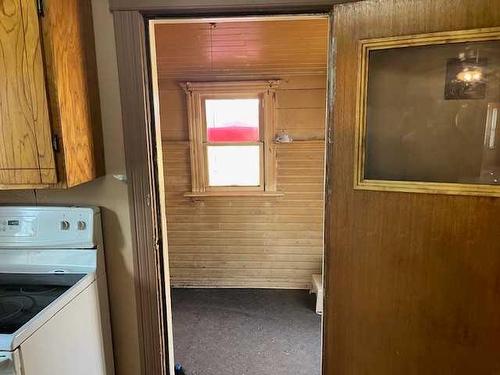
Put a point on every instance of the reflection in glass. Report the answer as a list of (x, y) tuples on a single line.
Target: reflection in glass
[(232, 120), (432, 114)]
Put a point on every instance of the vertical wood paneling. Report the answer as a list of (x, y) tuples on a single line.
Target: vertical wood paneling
[(413, 286)]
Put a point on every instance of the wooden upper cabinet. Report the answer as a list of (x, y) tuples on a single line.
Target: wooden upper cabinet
[(71, 71), (50, 125)]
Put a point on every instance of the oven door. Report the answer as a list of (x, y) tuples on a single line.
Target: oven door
[(10, 363)]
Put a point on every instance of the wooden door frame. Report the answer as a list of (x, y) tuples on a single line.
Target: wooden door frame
[(131, 33)]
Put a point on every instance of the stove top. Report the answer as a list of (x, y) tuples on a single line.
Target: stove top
[(22, 296)]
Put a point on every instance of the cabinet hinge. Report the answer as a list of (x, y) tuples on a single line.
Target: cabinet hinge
[(55, 143), (39, 7)]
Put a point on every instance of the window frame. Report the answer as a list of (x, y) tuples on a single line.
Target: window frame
[(365, 46), (196, 95)]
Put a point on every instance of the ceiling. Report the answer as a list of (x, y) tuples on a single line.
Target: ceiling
[(210, 6), (264, 47)]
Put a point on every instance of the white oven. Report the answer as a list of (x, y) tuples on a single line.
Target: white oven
[(54, 315)]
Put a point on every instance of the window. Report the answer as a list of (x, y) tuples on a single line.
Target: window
[(427, 110), (231, 130), (233, 142)]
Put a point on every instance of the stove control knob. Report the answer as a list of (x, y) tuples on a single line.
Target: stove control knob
[(65, 225), (82, 225)]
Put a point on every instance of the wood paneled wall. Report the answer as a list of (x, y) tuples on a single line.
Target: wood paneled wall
[(249, 241)]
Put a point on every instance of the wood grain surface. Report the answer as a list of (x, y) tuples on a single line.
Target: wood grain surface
[(413, 281), (68, 37), (25, 135), (221, 50)]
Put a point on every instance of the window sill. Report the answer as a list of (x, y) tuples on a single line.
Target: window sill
[(229, 194)]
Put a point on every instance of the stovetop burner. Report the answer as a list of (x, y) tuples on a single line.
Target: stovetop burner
[(22, 296), (38, 289), (12, 306), (9, 310)]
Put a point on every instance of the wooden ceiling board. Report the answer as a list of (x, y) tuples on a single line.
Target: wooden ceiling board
[(203, 6), (258, 47)]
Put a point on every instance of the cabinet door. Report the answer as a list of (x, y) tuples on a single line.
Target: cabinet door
[(26, 156)]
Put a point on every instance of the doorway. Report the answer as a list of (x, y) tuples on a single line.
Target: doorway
[(415, 287), (241, 112)]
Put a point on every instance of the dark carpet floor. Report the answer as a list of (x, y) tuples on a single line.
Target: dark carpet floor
[(246, 332)]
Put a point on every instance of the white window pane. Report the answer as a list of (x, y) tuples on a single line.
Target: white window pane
[(232, 120), (233, 165)]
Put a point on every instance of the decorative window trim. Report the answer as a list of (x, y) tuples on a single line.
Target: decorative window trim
[(364, 48), (196, 93)]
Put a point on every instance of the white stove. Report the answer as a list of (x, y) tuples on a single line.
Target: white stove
[(54, 315)]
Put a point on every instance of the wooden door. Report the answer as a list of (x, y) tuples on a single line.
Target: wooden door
[(413, 281), (26, 155)]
